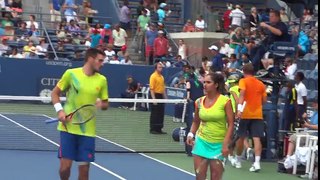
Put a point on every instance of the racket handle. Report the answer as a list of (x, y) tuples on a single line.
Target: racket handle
[(49, 121)]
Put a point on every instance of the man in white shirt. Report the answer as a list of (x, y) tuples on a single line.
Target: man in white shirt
[(126, 60), (120, 38), (237, 17), (200, 24), (290, 69), (32, 21), (301, 95)]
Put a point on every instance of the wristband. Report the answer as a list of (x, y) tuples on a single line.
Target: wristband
[(190, 134), (240, 107), (58, 107)]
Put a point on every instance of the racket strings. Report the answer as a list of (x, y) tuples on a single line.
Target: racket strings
[(84, 114)]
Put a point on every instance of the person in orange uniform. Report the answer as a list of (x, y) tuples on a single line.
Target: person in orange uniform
[(253, 92)]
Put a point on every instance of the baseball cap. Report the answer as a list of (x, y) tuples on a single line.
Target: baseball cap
[(107, 26), (160, 32), (123, 48), (162, 5), (213, 47)]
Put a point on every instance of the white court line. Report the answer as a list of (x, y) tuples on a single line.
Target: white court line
[(52, 142), (142, 154)]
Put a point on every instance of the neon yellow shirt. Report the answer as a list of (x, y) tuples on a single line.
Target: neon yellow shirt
[(234, 89), (81, 90), (213, 126)]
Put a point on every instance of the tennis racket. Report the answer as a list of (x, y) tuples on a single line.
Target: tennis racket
[(80, 116), (235, 135)]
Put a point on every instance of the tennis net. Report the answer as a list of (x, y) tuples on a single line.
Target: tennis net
[(119, 129)]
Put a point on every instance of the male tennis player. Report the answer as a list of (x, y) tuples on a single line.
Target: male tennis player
[(83, 86)]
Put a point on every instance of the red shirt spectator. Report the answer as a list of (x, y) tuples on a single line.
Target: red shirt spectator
[(226, 18), (189, 27), (161, 45)]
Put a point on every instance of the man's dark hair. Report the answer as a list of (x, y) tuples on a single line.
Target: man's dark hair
[(204, 58), (33, 17), (275, 12), (126, 2), (248, 69), (234, 56), (300, 75), (93, 52)]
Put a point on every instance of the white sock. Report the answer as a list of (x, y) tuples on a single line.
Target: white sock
[(257, 159)]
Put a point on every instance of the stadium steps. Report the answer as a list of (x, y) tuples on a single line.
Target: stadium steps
[(174, 23), (38, 7)]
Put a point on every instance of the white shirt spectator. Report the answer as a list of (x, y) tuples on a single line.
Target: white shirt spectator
[(301, 92), (237, 17), (3, 49), (109, 55), (291, 70), (2, 4), (119, 37), (124, 62), (18, 56), (183, 51), (124, 14), (225, 50), (200, 24), (36, 25)]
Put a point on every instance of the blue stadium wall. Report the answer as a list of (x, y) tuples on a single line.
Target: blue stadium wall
[(29, 77)]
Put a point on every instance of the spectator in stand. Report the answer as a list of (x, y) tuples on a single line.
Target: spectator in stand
[(290, 68), (265, 15), (106, 35), (120, 38), (27, 47), (206, 64), (114, 60), (164, 62), (16, 54), (226, 18), (4, 47), (32, 20), (301, 96), (126, 60), (179, 62), (303, 41), (161, 46), (161, 12), (55, 12), (32, 54), (125, 16), (143, 21), (22, 30), (245, 59), (150, 37), (236, 41), (189, 27), (9, 32), (237, 17), (307, 15), (254, 19), (95, 38), (278, 31), (200, 24), (224, 48), (73, 28), (121, 54), (42, 48), (283, 15), (233, 65), (182, 49), (88, 12), (78, 56), (6, 19), (69, 8), (109, 53), (217, 63)]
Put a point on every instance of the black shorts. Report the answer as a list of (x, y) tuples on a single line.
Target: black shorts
[(251, 127)]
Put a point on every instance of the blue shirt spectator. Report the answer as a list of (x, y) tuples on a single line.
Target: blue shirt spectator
[(151, 36), (161, 15), (95, 39), (304, 42)]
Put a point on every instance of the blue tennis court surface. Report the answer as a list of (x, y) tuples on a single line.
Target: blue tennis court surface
[(33, 165)]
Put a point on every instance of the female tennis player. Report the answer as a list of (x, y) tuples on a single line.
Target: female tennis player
[(213, 126), (84, 86)]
